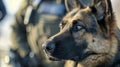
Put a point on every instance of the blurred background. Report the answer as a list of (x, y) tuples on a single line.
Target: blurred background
[(11, 6), (17, 26)]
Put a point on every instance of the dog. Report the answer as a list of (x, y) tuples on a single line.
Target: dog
[(88, 36)]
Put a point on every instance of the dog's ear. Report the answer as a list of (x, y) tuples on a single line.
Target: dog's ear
[(71, 4), (85, 3), (101, 8)]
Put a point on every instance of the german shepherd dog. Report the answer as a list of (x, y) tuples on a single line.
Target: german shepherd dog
[(88, 36)]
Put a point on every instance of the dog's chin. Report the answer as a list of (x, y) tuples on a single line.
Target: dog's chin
[(54, 58), (57, 58)]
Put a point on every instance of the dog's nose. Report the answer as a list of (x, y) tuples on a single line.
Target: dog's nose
[(49, 46)]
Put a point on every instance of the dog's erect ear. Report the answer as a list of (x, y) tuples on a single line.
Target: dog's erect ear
[(85, 3), (101, 8), (71, 4)]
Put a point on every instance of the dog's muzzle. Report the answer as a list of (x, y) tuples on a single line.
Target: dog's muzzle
[(49, 46)]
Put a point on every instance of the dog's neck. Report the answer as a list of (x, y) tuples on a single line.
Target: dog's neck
[(111, 55)]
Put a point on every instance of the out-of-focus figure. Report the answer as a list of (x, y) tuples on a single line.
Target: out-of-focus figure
[(36, 20)]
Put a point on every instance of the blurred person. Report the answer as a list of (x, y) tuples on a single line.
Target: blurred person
[(35, 21)]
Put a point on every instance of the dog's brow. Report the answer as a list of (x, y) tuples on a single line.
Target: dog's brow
[(79, 21)]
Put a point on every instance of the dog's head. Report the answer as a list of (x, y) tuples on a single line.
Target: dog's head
[(85, 34)]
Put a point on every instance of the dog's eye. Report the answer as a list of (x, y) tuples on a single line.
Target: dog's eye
[(77, 28)]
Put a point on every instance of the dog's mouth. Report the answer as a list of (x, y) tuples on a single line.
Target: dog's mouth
[(87, 54), (74, 58), (83, 56), (54, 58), (51, 57)]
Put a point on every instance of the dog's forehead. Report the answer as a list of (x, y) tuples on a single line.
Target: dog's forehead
[(78, 14)]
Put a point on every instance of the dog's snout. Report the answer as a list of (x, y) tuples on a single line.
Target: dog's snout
[(49, 46)]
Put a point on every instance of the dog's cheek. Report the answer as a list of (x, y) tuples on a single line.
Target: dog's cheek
[(89, 37), (78, 36)]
